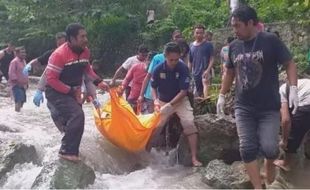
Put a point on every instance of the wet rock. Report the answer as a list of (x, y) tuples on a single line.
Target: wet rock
[(5, 128), (218, 139), (11, 154), (4, 90), (62, 174), (220, 175)]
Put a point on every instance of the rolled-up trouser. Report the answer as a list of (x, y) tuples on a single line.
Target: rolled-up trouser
[(74, 119), (300, 127), (184, 111), (258, 133)]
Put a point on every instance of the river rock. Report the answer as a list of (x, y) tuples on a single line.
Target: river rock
[(220, 175), (218, 139), (4, 90), (62, 174), (5, 128), (11, 154)]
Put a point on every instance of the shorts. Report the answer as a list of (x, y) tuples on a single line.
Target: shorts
[(184, 111), (19, 94), (258, 133)]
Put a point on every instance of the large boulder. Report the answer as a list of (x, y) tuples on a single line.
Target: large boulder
[(11, 154), (218, 139), (220, 175), (62, 174)]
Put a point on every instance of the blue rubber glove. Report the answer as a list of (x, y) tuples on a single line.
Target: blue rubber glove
[(38, 98), (27, 69), (96, 103)]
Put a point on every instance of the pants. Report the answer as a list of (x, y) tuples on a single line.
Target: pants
[(58, 120), (300, 126), (74, 120), (258, 133)]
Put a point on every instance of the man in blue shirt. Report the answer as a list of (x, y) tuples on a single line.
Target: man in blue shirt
[(170, 83), (201, 61)]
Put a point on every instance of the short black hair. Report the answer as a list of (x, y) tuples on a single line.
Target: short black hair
[(230, 39), (19, 49), (72, 30), (199, 26), (60, 35), (245, 13), (143, 49), (172, 47)]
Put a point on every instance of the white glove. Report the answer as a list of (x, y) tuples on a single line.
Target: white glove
[(166, 109), (220, 104), (293, 98)]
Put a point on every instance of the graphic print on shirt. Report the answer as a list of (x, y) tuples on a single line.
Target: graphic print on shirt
[(249, 68)]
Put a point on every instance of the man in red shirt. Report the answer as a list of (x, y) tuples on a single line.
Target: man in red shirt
[(64, 74), (135, 76)]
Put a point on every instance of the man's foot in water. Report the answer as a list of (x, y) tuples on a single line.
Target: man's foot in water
[(72, 158), (196, 163)]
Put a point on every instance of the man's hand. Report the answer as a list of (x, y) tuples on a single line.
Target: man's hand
[(96, 103), (112, 83), (140, 100), (120, 90), (156, 105), (205, 74), (103, 86), (38, 98), (293, 98), (27, 69), (166, 109), (220, 104)]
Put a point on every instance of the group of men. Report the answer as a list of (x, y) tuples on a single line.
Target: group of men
[(251, 60)]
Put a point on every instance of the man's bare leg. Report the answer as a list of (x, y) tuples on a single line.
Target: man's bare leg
[(253, 172), (192, 141), (270, 170), (205, 88)]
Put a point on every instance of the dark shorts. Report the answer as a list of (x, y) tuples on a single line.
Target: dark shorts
[(19, 94), (258, 133), (300, 127)]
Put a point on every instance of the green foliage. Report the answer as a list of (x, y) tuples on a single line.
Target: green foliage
[(117, 27)]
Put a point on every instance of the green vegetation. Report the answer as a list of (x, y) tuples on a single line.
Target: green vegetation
[(116, 27)]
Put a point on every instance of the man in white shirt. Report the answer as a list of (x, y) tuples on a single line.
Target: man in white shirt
[(294, 125)]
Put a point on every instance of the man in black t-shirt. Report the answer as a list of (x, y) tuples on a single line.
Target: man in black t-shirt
[(6, 56), (43, 59), (253, 61)]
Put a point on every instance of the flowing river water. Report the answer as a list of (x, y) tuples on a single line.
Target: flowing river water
[(113, 167)]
